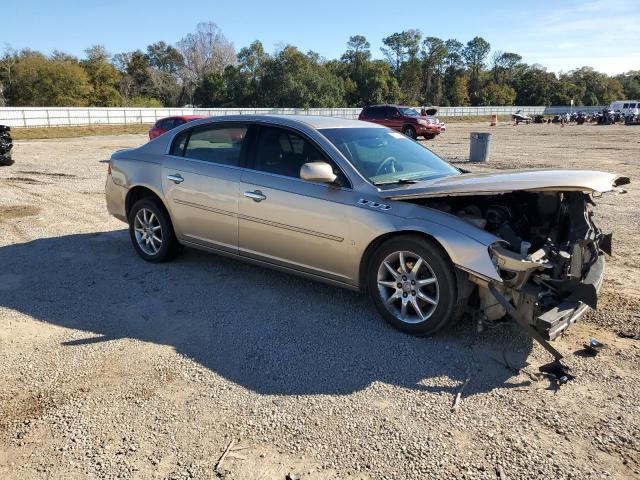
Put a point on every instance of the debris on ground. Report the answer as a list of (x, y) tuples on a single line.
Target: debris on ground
[(6, 144), (630, 335), (223, 456), (594, 346), (458, 398)]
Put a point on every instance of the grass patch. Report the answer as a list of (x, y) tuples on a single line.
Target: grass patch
[(70, 132)]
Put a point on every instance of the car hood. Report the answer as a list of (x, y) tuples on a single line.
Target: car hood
[(493, 183)]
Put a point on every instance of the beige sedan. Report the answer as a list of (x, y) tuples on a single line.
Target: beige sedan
[(361, 206)]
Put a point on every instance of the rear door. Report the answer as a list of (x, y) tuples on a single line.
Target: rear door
[(374, 115), (288, 221), (200, 180)]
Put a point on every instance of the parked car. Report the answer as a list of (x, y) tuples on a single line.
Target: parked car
[(6, 145), (402, 119), (361, 206), (165, 124)]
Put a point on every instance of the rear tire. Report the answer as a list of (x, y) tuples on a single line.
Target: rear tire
[(420, 298), (151, 232), (410, 132)]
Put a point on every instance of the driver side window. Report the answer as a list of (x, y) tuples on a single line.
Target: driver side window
[(282, 152)]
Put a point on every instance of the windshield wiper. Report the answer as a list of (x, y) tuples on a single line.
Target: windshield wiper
[(400, 181)]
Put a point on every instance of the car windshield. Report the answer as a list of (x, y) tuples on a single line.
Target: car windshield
[(385, 157), (408, 112)]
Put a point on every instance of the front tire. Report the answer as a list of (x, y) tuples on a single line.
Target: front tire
[(151, 232), (410, 132), (412, 284)]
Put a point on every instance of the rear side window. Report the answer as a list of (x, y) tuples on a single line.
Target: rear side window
[(177, 148), (626, 105), (176, 122), (376, 112), (216, 144)]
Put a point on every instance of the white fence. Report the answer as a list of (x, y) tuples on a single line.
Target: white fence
[(62, 116)]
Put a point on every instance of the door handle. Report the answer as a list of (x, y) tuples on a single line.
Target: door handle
[(177, 178), (256, 196)]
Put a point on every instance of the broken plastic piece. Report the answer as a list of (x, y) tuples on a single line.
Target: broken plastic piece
[(558, 371)]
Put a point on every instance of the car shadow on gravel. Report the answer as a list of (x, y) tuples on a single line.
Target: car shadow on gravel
[(267, 331)]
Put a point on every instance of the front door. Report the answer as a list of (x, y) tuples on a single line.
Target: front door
[(291, 222), (393, 119), (201, 183)]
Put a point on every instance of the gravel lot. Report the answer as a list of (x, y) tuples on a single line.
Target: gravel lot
[(111, 367)]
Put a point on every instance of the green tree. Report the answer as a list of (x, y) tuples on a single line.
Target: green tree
[(475, 54), (164, 58), (294, 79), (210, 91), (434, 52), (251, 62), (401, 47), (594, 88), (504, 66), (37, 81), (630, 82), (365, 82), (495, 94), (103, 76), (401, 50), (536, 86), (459, 95)]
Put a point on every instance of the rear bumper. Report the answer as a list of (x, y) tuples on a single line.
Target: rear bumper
[(554, 322), (115, 196)]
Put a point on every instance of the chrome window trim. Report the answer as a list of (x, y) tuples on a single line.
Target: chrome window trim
[(297, 179)]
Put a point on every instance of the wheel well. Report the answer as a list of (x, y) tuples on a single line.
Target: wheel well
[(408, 125), (366, 257), (138, 193)]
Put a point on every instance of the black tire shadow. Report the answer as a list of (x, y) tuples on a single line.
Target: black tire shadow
[(270, 332)]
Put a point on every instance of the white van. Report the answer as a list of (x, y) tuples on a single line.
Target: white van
[(627, 107)]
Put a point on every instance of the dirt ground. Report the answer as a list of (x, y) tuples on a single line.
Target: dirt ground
[(111, 367)]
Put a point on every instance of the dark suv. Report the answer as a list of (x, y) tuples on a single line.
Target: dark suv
[(403, 119)]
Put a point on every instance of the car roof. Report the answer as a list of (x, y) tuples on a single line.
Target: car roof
[(395, 105), (317, 122)]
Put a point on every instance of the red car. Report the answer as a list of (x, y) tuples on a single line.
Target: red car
[(165, 124), (403, 119)]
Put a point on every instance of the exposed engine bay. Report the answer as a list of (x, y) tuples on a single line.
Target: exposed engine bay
[(550, 256)]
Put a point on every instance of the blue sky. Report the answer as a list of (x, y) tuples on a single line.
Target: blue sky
[(604, 34)]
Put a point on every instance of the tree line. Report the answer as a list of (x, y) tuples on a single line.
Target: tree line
[(203, 69)]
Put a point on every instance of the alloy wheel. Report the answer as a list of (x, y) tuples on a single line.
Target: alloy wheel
[(148, 231), (408, 287)]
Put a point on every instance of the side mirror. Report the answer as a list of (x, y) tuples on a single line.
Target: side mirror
[(320, 172)]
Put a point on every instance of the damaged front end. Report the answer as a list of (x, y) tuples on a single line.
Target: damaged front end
[(550, 257)]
